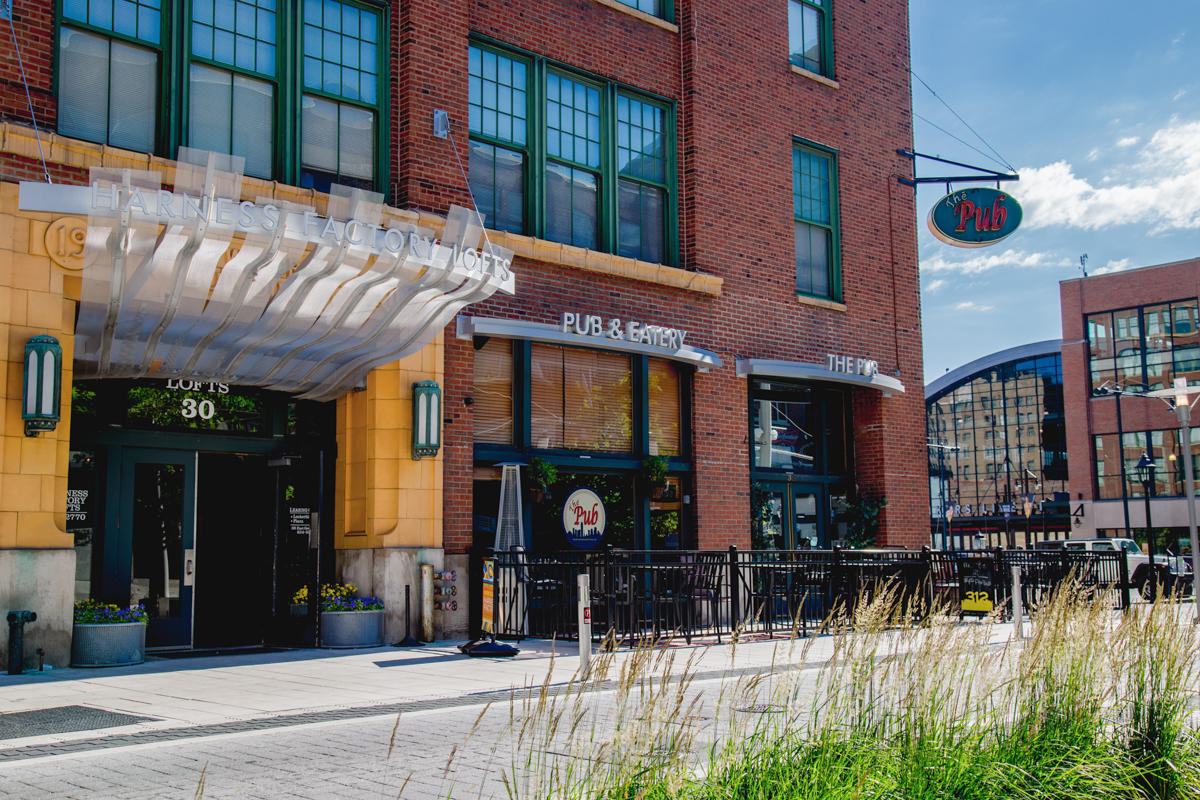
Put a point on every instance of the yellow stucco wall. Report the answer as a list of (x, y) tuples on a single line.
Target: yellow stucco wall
[(34, 301), (384, 497)]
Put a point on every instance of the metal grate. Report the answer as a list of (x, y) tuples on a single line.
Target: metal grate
[(62, 719)]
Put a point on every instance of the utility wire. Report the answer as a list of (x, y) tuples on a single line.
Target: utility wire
[(964, 122), (963, 142), (28, 99)]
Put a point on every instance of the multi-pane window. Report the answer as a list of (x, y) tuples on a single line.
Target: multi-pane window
[(814, 200), (809, 36), (655, 8), (597, 175), (498, 110), (108, 72), (1162, 446), (1146, 348), (242, 67), (338, 113)]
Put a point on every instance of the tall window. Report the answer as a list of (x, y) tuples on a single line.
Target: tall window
[(810, 36), (814, 198), (1146, 348), (293, 88), (598, 174), (1162, 446), (108, 65)]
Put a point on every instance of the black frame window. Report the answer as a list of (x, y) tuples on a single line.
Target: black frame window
[(1144, 348)]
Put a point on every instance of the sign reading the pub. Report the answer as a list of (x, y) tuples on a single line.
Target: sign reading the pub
[(583, 519), (974, 217)]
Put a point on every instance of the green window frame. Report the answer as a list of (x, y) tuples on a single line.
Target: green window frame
[(810, 36), (815, 209), (663, 9), (298, 89), (571, 158)]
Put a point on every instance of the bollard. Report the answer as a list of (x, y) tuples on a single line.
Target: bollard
[(16, 639), (427, 602), (585, 625), (1018, 611)]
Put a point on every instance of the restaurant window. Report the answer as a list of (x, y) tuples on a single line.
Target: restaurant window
[(663, 386), (493, 392), (809, 36), (580, 400), (599, 174), (235, 75), (814, 202), (799, 429), (1144, 349)]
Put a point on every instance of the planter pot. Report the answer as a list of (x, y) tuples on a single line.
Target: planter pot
[(352, 628), (108, 645), (299, 609)]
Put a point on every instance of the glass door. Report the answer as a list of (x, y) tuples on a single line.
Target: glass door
[(157, 520), (787, 516)]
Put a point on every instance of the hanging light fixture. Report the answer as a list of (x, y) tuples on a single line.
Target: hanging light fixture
[(427, 419), (43, 385)]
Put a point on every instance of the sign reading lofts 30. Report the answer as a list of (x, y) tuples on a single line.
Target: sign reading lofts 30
[(974, 217)]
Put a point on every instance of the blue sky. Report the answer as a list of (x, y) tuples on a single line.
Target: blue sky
[(1097, 105)]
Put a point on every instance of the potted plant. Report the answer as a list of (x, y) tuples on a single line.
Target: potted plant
[(348, 620), (299, 606), (654, 472), (106, 635), (542, 476)]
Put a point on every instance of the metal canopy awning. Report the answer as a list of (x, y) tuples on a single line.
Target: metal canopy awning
[(470, 327), (196, 283), (800, 370)]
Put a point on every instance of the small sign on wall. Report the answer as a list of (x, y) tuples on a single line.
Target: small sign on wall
[(584, 519)]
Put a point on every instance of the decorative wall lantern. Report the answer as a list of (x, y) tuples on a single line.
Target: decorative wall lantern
[(43, 385), (427, 419)]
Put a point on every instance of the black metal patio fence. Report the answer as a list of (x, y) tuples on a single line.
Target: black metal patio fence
[(643, 594)]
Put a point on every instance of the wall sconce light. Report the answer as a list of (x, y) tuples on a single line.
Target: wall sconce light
[(427, 419), (43, 385)]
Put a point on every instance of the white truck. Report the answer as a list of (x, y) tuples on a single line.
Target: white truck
[(1175, 572)]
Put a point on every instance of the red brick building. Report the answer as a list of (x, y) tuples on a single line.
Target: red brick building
[(1124, 335), (715, 276)]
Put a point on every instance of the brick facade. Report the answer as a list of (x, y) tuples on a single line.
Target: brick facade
[(739, 107)]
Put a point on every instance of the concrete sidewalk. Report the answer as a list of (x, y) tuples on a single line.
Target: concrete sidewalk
[(290, 687)]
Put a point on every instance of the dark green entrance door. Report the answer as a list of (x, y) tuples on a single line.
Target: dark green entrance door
[(789, 516), (156, 536)]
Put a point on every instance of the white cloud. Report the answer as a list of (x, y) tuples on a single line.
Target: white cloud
[(987, 261), (971, 305), (1093, 154), (934, 285), (1114, 266), (1179, 95), (1128, 141), (1158, 189)]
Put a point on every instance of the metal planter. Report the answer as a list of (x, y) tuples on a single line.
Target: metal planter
[(352, 628), (120, 644)]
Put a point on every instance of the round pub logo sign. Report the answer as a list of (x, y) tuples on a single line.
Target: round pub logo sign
[(974, 217), (583, 519)]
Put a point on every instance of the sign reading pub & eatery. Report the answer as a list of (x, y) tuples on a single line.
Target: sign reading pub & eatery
[(974, 217)]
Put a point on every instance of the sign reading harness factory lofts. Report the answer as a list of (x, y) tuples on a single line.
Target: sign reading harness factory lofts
[(197, 284)]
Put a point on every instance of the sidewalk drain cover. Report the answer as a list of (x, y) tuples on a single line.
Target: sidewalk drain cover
[(63, 719)]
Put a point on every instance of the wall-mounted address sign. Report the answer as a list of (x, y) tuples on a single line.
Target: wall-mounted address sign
[(974, 217)]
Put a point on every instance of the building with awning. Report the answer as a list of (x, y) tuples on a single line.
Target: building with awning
[(286, 290)]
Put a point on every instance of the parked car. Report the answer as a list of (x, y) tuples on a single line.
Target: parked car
[(1174, 571)]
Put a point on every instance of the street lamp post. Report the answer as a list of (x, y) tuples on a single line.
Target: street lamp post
[(1145, 469)]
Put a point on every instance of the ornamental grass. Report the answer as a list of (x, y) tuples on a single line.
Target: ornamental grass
[(1093, 704)]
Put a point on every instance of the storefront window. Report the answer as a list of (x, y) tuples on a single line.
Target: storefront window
[(664, 408), (580, 400), (81, 517), (1162, 446), (493, 392)]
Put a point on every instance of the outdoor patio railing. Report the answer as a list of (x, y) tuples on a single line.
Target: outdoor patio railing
[(640, 595)]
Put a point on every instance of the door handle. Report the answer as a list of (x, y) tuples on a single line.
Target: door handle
[(189, 566)]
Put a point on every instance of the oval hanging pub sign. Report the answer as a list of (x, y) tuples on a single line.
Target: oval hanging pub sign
[(974, 217)]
